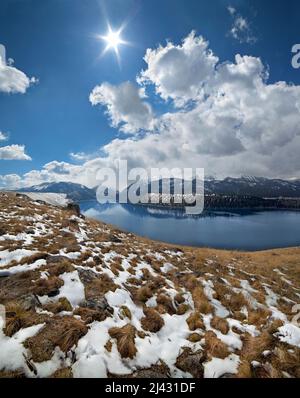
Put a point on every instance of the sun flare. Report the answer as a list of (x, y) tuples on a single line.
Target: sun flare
[(113, 40)]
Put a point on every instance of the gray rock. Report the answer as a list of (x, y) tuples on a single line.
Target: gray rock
[(75, 208), (150, 374), (114, 239), (191, 362), (30, 301), (97, 304), (56, 259), (87, 275)]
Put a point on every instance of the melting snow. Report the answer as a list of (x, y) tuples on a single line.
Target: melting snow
[(7, 256), (73, 289), (289, 333), (219, 367)]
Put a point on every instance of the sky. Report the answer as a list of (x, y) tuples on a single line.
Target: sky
[(196, 84)]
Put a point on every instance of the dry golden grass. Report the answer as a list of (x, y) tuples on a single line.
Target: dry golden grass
[(152, 321), (65, 373), (253, 347), (63, 332), (220, 324), (183, 309), (166, 302), (200, 301), (179, 299), (99, 286), (125, 337), (235, 302), (195, 321), (62, 304), (56, 269), (17, 317), (108, 345), (286, 360), (273, 326), (221, 290), (214, 346), (47, 286), (125, 312), (244, 370), (258, 317), (143, 293), (16, 374), (89, 315), (194, 337)]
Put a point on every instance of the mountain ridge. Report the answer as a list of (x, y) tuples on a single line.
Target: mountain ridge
[(74, 192), (244, 186)]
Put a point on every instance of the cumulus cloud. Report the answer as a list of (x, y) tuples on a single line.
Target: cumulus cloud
[(241, 29), (236, 122), (231, 10), (12, 80), (10, 181), (13, 152), (61, 171), (179, 71), (124, 105), (79, 156), (236, 115), (3, 136)]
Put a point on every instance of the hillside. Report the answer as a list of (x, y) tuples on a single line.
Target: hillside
[(84, 299), (74, 192)]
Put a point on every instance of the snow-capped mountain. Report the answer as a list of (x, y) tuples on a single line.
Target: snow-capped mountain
[(249, 186), (254, 186), (75, 192), (246, 186)]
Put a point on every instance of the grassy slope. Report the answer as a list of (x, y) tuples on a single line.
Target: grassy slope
[(81, 279)]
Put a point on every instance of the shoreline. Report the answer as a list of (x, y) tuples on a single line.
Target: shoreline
[(147, 240)]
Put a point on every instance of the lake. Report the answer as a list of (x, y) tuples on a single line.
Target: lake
[(241, 230)]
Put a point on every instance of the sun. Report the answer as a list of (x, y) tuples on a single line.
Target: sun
[(113, 41)]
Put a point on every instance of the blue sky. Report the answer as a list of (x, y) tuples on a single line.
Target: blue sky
[(55, 42)]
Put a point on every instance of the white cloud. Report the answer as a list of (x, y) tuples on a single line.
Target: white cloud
[(57, 167), (13, 152), (241, 29), (10, 181), (231, 10), (243, 125), (124, 106), (12, 80), (179, 71), (241, 116), (79, 156), (3, 136)]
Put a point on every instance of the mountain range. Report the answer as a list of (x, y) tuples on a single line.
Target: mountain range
[(75, 192), (244, 186)]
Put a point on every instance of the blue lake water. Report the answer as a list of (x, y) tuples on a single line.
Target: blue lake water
[(241, 231)]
